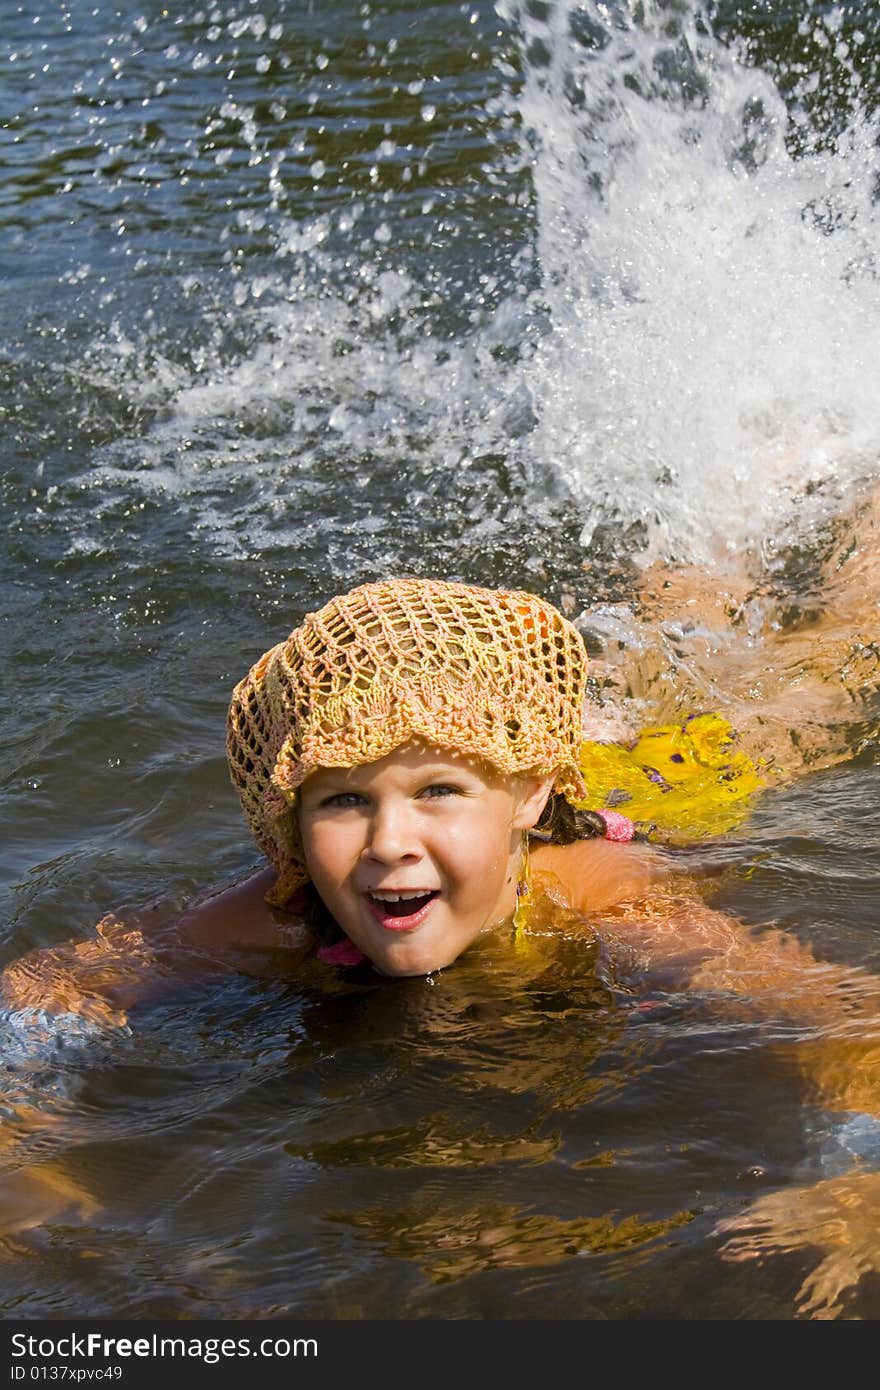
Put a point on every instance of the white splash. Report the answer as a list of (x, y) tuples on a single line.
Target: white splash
[(710, 269)]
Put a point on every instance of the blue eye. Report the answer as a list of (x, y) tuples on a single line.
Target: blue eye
[(342, 800), (438, 789)]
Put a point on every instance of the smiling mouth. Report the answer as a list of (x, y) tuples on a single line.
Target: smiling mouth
[(400, 911)]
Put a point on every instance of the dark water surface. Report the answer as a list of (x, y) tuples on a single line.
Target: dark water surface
[(297, 295)]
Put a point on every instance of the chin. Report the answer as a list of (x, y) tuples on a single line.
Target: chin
[(411, 959)]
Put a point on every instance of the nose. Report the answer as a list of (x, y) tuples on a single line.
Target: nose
[(392, 836)]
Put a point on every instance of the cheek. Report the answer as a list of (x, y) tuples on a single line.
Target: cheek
[(478, 856), (329, 851)]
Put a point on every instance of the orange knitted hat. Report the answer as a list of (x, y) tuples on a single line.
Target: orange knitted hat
[(491, 673)]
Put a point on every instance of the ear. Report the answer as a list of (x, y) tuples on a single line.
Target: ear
[(533, 799)]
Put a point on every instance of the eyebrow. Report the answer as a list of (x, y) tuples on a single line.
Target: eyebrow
[(338, 777)]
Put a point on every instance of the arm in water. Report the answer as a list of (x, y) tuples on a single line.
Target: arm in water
[(129, 962), (838, 1216), (81, 992), (835, 1048)]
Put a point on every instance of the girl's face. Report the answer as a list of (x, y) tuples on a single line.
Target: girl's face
[(417, 854)]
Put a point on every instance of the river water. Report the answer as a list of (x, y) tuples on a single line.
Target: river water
[(297, 295)]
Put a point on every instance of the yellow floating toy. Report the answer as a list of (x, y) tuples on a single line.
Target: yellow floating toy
[(682, 779)]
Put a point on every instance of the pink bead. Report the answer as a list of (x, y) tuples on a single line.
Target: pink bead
[(341, 953), (617, 827)]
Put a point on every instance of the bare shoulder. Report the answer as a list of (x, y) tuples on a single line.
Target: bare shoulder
[(593, 874), (239, 918)]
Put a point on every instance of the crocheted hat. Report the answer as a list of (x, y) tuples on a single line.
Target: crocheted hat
[(494, 674)]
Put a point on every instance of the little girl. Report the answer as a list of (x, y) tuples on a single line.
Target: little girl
[(409, 762)]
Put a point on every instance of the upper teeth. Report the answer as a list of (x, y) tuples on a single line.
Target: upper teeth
[(399, 897)]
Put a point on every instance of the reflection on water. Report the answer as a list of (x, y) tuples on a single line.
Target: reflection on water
[(456, 1244)]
